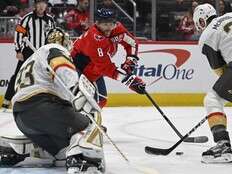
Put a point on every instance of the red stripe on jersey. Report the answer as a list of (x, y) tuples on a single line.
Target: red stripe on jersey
[(216, 113)]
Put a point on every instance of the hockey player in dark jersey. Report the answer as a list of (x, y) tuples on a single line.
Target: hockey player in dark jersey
[(92, 54), (215, 43)]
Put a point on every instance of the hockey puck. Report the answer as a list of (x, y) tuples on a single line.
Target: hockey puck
[(179, 153)]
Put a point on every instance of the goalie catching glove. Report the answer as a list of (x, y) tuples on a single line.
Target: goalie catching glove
[(134, 83), (81, 103), (130, 64)]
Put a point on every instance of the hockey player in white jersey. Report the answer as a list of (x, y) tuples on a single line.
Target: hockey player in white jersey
[(216, 44), (49, 116)]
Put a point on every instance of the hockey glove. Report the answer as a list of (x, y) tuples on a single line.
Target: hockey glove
[(130, 64), (134, 83), (84, 92), (81, 103)]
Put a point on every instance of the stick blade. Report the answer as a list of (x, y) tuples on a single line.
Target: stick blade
[(156, 151), (200, 139)]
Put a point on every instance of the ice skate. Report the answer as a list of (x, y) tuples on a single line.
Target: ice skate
[(79, 164), (221, 153)]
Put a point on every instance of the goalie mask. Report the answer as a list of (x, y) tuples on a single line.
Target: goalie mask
[(58, 36), (201, 14)]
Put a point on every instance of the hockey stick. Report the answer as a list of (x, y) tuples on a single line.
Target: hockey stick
[(85, 91), (159, 151), (199, 139), (138, 167)]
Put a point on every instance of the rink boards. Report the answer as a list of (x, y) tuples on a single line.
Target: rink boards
[(176, 73)]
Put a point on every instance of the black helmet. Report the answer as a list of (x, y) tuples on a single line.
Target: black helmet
[(36, 1), (105, 15)]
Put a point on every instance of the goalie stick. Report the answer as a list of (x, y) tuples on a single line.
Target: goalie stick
[(199, 139), (159, 151)]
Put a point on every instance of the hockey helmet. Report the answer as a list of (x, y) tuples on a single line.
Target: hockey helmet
[(58, 36), (105, 15), (201, 14), (37, 1)]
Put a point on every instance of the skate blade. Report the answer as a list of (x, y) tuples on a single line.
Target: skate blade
[(224, 158)]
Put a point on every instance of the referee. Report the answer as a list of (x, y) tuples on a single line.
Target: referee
[(36, 23)]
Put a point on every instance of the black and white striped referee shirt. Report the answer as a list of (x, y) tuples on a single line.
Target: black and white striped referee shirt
[(36, 27)]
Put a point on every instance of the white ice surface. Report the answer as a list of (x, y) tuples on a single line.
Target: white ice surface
[(132, 128)]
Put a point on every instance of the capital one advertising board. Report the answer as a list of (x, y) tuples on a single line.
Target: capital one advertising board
[(166, 68), (8, 63), (169, 68)]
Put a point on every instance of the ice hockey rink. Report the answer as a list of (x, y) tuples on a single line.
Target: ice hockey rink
[(132, 128)]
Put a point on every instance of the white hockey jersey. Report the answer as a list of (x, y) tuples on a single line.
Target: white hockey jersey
[(216, 41), (34, 76)]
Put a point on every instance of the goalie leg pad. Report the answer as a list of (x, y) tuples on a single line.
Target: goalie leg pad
[(81, 164), (17, 147), (86, 147), (19, 143), (88, 140), (11, 158)]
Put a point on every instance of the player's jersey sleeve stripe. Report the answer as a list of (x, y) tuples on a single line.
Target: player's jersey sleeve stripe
[(64, 65), (129, 40), (61, 61), (214, 57)]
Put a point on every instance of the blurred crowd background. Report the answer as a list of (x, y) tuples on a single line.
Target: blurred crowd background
[(148, 19)]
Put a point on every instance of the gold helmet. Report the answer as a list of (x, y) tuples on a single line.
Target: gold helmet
[(58, 36)]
